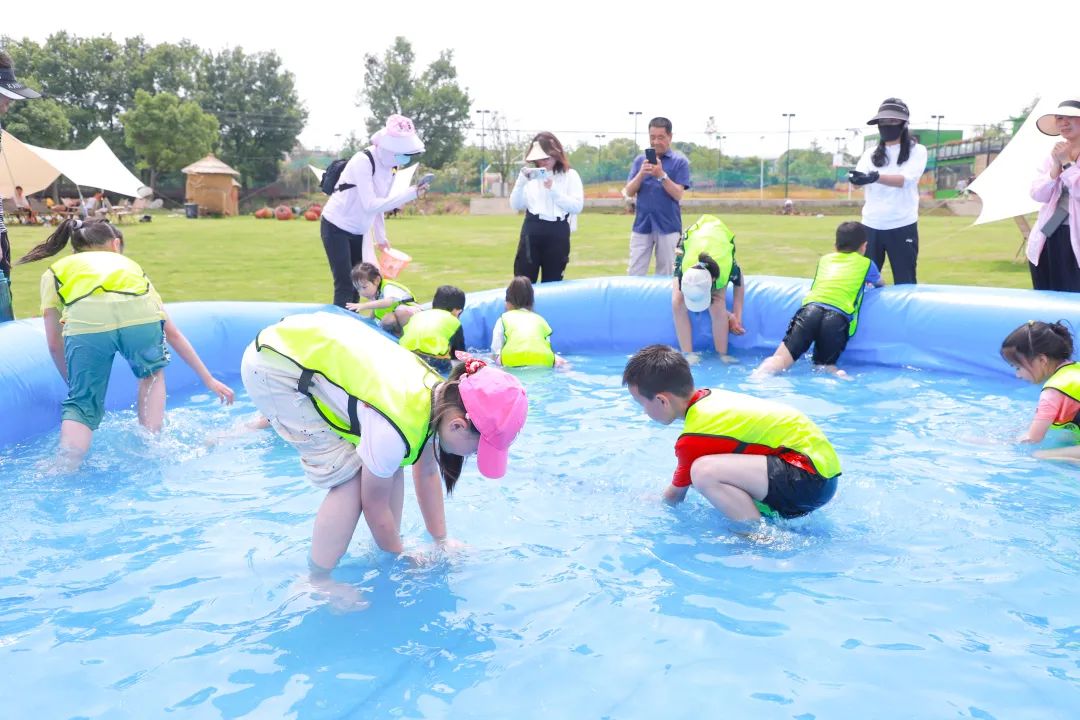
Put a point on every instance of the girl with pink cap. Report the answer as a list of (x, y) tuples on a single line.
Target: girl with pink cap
[(359, 408)]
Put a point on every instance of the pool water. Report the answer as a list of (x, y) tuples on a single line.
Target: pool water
[(168, 577)]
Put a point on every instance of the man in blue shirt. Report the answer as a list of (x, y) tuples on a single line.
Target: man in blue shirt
[(657, 190)]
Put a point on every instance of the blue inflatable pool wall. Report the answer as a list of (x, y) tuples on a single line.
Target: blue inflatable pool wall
[(937, 327)]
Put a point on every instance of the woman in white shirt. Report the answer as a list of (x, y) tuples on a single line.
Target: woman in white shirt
[(890, 175), (551, 194), (352, 220)]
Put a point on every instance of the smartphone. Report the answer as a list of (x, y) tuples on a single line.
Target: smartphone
[(650, 156)]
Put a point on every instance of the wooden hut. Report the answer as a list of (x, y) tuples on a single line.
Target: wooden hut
[(211, 185)]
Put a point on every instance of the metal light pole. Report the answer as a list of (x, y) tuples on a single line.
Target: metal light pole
[(635, 114), (838, 139), (720, 157), (761, 169), (787, 155), (855, 132), (937, 154), (483, 115), (599, 149)]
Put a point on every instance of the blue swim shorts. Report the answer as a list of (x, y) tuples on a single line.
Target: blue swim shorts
[(90, 359)]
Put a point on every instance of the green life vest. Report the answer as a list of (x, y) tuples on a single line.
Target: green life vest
[(381, 312), (525, 340), (840, 281), (1066, 380), (368, 367), (710, 235), (82, 274), (762, 427), (430, 332)]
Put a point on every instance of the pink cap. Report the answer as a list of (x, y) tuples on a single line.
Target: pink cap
[(398, 136), (496, 403)]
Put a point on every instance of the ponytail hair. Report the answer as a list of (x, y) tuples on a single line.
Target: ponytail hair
[(706, 261), (1035, 338), (86, 235), (451, 404)]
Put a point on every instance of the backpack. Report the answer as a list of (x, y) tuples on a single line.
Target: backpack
[(330, 176)]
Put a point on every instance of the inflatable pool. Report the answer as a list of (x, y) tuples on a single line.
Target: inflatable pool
[(947, 328), (168, 577)]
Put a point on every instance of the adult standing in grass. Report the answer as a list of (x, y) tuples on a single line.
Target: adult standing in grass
[(658, 179), (1053, 249), (551, 194), (889, 174), (10, 89), (352, 220)]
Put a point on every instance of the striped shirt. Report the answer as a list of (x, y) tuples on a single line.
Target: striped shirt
[(5, 248)]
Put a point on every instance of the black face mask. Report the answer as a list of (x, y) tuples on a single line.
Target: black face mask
[(889, 133)]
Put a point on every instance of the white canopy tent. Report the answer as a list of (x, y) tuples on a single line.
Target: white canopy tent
[(35, 168), (1005, 185)]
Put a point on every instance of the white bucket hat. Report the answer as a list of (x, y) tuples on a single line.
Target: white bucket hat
[(697, 286), (1047, 124), (399, 136)]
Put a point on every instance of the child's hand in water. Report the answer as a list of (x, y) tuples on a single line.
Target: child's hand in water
[(729, 359), (223, 391), (735, 325)]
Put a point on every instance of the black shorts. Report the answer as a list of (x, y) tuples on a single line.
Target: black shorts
[(825, 328), (794, 491)]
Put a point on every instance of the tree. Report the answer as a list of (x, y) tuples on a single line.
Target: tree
[(41, 122), (433, 101), (255, 101), (86, 76), (167, 133), (505, 150)]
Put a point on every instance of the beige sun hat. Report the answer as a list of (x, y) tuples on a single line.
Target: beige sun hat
[(536, 152), (1047, 124)]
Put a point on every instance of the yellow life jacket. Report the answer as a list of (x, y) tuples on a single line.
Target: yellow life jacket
[(762, 427), (368, 367), (430, 332), (82, 274), (1066, 380), (526, 340), (840, 281), (381, 312), (710, 235)]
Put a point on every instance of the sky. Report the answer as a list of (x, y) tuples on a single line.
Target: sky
[(580, 68)]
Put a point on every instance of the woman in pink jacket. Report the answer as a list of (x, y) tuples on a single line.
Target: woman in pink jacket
[(1054, 244)]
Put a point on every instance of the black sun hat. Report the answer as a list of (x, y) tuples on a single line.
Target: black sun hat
[(891, 109), (12, 88)]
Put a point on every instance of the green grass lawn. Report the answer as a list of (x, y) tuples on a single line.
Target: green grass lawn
[(247, 259)]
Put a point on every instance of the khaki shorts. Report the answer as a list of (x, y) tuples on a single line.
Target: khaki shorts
[(327, 458)]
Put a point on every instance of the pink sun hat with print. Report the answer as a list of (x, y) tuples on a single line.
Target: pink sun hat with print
[(398, 136), (496, 403)]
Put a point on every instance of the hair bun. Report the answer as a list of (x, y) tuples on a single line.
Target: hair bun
[(474, 365)]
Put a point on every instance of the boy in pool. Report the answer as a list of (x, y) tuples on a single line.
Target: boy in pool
[(829, 314), (436, 335), (746, 455)]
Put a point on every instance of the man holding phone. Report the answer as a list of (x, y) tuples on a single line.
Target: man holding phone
[(658, 179)]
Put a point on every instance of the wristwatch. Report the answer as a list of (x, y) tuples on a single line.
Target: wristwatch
[(1066, 166), (663, 178)]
